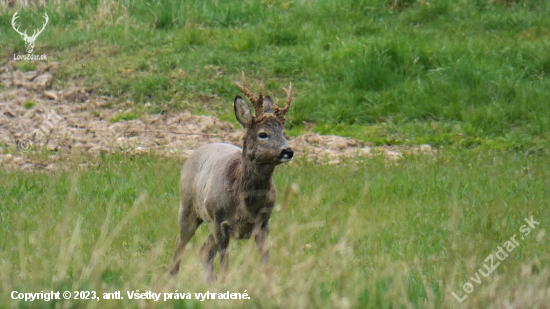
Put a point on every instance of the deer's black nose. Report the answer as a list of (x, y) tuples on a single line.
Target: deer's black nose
[(287, 153)]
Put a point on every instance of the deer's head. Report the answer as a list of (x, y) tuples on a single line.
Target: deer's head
[(264, 140), (29, 40)]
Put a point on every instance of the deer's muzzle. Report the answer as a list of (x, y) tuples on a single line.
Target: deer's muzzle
[(286, 154)]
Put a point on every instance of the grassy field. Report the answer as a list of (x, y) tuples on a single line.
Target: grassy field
[(359, 235), (462, 73), (470, 78)]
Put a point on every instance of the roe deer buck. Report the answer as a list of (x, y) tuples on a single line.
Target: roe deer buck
[(232, 188)]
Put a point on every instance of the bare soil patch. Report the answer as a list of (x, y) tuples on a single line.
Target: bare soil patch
[(33, 115)]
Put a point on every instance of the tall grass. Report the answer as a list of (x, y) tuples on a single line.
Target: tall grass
[(366, 234), (361, 234)]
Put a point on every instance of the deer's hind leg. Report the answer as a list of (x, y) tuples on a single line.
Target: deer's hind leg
[(188, 222), (208, 254)]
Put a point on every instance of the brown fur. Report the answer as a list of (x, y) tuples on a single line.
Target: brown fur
[(231, 188)]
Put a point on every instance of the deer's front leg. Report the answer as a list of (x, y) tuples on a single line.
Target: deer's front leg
[(222, 240), (262, 243)]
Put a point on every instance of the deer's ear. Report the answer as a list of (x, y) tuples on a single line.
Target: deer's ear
[(268, 105), (242, 111)]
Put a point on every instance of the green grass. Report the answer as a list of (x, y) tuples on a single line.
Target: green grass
[(25, 66), (469, 76), (124, 116), (464, 73), (29, 104), (364, 235)]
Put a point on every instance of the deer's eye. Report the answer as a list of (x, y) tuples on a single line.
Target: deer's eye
[(263, 135)]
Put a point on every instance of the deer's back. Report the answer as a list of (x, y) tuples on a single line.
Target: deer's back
[(206, 178)]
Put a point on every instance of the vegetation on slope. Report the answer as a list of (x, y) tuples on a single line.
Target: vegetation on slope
[(458, 73)]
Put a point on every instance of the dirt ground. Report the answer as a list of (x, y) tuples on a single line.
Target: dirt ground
[(33, 115)]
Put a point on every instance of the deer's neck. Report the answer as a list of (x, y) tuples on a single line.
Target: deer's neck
[(255, 182), (255, 175)]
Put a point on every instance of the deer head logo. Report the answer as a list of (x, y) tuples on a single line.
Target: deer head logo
[(29, 40)]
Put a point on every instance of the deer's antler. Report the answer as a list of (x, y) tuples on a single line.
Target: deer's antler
[(13, 24), (278, 112), (256, 101), (281, 111), (35, 35), (288, 99)]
